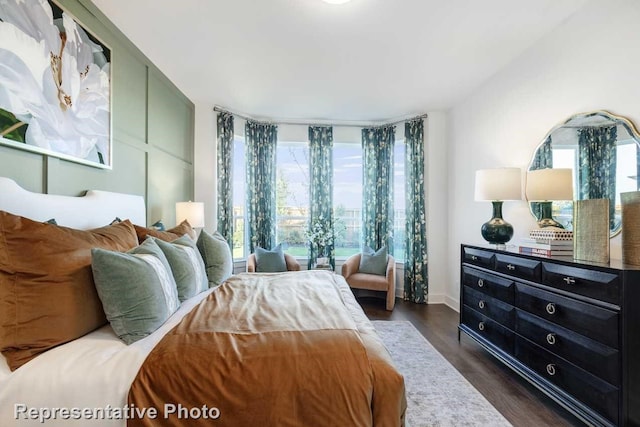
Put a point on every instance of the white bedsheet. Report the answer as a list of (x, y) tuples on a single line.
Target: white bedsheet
[(91, 372)]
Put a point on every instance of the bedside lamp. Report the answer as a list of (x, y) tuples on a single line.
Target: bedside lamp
[(546, 185), (496, 186), (192, 212)]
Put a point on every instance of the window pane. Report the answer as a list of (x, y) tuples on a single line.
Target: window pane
[(565, 157), (292, 196), (399, 201), (238, 198), (347, 198), (626, 173)]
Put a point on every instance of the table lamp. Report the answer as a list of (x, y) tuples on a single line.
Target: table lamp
[(193, 212), (496, 186), (546, 185)]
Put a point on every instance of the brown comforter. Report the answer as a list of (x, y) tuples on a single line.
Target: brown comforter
[(284, 349)]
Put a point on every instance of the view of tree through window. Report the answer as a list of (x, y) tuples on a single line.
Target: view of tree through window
[(347, 198), (399, 201), (292, 196), (239, 188)]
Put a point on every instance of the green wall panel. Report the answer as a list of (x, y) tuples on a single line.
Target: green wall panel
[(167, 189), (128, 174), (152, 126), (24, 167), (170, 120), (129, 96)]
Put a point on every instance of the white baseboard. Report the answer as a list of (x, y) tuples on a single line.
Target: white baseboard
[(433, 299), (436, 298), (452, 303)]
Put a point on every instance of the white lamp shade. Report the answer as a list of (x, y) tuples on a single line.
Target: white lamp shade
[(193, 212), (498, 184), (549, 184)]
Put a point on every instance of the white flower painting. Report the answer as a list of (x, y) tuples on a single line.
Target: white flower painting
[(54, 83)]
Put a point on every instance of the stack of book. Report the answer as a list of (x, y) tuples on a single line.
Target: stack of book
[(549, 241), (551, 233)]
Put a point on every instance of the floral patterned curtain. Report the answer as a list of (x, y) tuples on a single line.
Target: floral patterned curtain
[(321, 186), (597, 146), (377, 200), (543, 159), (416, 284), (225, 174), (261, 140)]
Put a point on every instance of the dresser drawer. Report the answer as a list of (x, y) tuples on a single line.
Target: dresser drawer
[(595, 322), (497, 310), (596, 284), (499, 336), (524, 268), (595, 393), (590, 355), (490, 284), (477, 257)]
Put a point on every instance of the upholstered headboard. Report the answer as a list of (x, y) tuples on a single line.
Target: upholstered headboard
[(94, 209)]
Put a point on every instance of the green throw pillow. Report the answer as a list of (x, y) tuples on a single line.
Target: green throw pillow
[(137, 289), (270, 261), (217, 257), (374, 262), (186, 265)]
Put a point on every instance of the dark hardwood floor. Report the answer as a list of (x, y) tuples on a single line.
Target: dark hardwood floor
[(517, 400)]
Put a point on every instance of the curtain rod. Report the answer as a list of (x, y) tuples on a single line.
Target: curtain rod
[(319, 123)]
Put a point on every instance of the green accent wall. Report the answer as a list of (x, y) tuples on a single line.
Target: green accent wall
[(152, 126)]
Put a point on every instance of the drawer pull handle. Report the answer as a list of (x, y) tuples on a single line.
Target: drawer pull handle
[(480, 283), (551, 339), (474, 258), (481, 326), (511, 267), (551, 308), (481, 304), (569, 280), (551, 369)]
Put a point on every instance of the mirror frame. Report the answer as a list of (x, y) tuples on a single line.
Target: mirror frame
[(627, 123)]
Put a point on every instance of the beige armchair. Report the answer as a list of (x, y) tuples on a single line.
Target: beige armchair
[(372, 282), (292, 264)]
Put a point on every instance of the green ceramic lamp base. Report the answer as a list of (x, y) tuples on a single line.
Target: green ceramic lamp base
[(546, 217), (497, 231)]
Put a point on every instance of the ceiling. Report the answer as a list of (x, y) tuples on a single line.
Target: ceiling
[(367, 60)]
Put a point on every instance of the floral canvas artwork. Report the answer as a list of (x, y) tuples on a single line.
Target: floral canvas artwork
[(54, 84)]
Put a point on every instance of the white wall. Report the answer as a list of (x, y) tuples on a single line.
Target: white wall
[(589, 62), (436, 200), (205, 188)]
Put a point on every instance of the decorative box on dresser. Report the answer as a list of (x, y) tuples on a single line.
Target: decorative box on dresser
[(571, 328)]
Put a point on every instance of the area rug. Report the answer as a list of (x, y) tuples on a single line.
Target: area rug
[(437, 394)]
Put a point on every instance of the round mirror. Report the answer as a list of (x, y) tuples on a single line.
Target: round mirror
[(603, 151)]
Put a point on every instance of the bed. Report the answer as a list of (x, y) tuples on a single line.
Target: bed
[(290, 349)]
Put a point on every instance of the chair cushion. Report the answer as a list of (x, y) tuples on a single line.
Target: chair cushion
[(270, 261), (373, 282), (374, 262)]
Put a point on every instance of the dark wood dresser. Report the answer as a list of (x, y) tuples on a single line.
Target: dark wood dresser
[(571, 328)]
